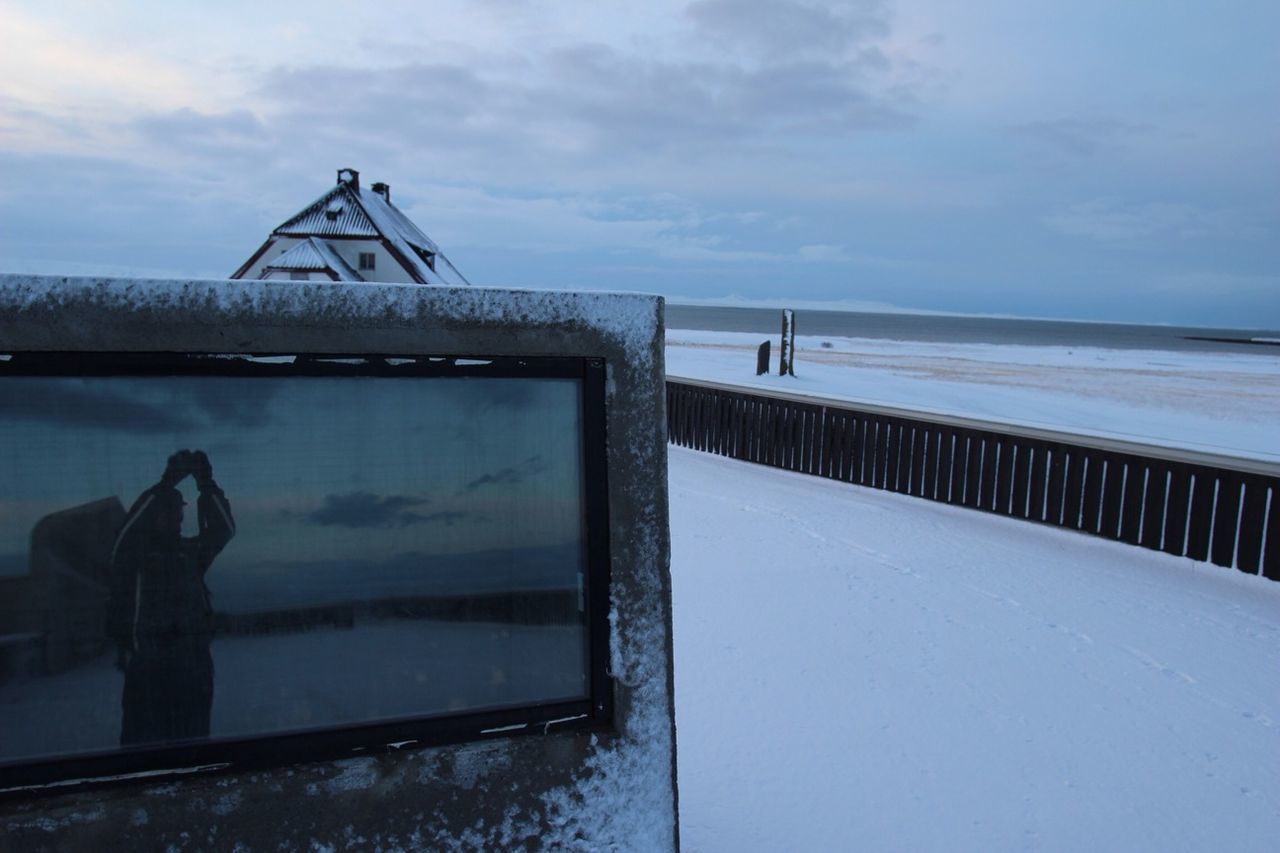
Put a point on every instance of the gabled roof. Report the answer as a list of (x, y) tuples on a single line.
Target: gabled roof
[(314, 255), (349, 210), (334, 214)]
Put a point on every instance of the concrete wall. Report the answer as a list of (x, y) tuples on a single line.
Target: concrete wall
[(572, 790)]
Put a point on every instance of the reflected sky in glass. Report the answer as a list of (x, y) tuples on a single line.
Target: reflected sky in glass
[(368, 501), (316, 469)]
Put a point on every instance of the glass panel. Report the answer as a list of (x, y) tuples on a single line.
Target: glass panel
[(340, 551)]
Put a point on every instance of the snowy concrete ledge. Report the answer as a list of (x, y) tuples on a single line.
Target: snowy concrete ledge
[(611, 788)]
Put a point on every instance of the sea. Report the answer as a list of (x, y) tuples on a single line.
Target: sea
[(939, 328)]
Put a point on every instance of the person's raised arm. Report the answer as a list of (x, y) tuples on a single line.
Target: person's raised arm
[(217, 525)]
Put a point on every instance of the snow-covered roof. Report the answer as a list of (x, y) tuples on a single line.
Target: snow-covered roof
[(334, 214), (314, 254), (349, 210)]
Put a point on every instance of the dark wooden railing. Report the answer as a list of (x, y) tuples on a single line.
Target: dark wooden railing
[(1199, 505)]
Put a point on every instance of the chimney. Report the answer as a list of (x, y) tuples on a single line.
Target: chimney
[(350, 177), (383, 190)]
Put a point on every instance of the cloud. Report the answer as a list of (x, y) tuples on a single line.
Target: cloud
[(1080, 137), (187, 123), (661, 226), (1130, 224), (130, 215), (142, 405), (567, 107), (515, 130), (365, 509), (214, 132), (786, 28), (823, 253), (507, 476), (235, 402), (594, 108), (524, 144), (44, 61), (70, 403), (446, 517)]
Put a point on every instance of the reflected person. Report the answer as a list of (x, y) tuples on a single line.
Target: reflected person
[(160, 615)]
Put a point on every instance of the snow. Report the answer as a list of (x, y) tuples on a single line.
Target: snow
[(857, 669), (1220, 403), (863, 670), (628, 320)]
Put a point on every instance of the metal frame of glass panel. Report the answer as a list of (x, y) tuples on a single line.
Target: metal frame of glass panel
[(594, 710)]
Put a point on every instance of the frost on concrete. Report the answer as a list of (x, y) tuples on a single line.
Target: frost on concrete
[(357, 774), (627, 319)]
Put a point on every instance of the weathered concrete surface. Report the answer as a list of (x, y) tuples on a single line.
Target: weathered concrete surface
[(608, 790)]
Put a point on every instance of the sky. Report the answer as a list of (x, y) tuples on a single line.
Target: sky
[(313, 492), (1084, 160)]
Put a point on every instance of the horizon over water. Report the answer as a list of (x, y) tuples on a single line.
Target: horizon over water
[(950, 328)]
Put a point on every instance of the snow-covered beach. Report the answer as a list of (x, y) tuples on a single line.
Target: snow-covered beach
[(1219, 402), (863, 670)]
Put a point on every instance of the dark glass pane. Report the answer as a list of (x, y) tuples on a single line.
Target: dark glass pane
[(358, 550)]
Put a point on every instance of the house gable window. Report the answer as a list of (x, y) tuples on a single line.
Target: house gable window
[(368, 261)]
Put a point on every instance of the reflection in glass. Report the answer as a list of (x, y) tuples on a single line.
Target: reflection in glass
[(159, 615), (400, 547)]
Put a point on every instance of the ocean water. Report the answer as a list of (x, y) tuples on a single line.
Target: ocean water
[(983, 330)]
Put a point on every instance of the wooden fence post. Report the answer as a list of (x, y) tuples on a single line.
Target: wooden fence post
[(762, 359)]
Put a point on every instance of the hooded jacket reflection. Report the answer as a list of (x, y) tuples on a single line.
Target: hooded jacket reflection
[(160, 615)]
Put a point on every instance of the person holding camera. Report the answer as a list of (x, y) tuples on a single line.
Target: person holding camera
[(159, 612)]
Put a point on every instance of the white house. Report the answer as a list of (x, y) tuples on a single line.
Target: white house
[(351, 234)]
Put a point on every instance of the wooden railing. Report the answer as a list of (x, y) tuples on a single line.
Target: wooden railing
[(1204, 506)]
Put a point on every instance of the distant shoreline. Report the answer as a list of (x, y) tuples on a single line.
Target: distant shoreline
[(943, 328), (883, 309)]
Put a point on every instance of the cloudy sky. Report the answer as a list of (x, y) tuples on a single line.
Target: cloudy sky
[(1092, 159), (309, 488)]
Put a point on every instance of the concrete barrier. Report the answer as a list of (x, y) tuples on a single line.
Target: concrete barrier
[(604, 786)]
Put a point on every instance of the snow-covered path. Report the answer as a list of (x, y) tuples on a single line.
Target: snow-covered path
[(864, 670)]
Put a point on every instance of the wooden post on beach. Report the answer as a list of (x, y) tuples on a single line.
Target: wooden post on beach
[(787, 356), (762, 359)]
